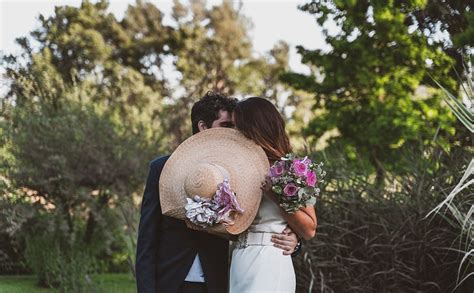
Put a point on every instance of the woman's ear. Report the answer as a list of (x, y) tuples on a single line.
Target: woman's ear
[(202, 125)]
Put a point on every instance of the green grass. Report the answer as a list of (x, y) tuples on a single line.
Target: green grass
[(120, 283)]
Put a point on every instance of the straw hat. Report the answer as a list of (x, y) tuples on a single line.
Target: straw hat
[(203, 161)]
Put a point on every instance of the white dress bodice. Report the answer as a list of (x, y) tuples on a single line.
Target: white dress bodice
[(257, 266), (269, 218)]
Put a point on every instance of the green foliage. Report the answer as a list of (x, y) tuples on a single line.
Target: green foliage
[(212, 51), (14, 213), (80, 163), (74, 151), (461, 207), (461, 107), (20, 284), (380, 241), (67, 267), (97, 97), (91, 103), (117, 283), (79, 129), (449, 24), (373, 85)]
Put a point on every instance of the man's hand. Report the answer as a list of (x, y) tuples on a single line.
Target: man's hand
[(266, 185), (287, 241), (192, 226)]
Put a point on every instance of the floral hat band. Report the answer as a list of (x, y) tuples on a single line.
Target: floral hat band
[(210, 198)]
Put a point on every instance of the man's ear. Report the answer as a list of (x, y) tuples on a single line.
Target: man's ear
[(202, 125)]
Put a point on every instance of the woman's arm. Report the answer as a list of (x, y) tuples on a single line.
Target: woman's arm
[(303, 222)]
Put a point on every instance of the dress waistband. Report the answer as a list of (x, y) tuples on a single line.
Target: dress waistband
[(249, 238)]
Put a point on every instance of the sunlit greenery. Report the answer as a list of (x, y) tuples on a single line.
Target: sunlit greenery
[(92, 99)]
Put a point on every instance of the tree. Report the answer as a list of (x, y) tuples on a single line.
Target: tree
[(212, 50), (79, 127), (452, 18), (373, 85), (260, 76), (208, 45), (95, 99)]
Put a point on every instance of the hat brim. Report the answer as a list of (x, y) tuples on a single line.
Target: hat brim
[(246, 163)]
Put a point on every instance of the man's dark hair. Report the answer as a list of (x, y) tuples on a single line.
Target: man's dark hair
[(208, 107)]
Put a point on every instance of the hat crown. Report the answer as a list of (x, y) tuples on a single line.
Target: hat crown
[(203, 180)]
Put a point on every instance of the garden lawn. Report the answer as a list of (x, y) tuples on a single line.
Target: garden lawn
[(120, 283)]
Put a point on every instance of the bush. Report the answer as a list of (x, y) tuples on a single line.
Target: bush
[(75, 166), (380, 241), (14, 212), (58, 259)]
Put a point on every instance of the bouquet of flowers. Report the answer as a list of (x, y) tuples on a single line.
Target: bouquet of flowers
[(295, 181)]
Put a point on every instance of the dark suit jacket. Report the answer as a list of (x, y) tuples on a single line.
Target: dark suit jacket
[(166, 248)]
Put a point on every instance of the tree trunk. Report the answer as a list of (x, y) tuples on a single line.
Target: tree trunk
[(91, 221), (379, 170)]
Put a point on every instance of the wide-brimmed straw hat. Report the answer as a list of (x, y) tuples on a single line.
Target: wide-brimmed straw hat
[(202, 162)]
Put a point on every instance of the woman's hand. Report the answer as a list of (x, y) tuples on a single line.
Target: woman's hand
[(192, 226)]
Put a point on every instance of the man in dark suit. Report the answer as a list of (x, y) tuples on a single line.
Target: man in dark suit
[(170, 256)]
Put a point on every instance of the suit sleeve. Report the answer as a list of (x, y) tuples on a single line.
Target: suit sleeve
[(147, 243)]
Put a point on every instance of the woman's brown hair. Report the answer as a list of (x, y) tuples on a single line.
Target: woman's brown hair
[(260, 121)]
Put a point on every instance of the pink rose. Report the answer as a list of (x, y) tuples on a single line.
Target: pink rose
[(277, 170), (311, 179), (290, 190), (300, 168), (306, 161)]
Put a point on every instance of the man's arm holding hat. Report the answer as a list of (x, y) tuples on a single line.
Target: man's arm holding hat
[(287, 241)]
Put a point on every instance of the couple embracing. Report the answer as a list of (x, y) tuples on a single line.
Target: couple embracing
[(181, 246)]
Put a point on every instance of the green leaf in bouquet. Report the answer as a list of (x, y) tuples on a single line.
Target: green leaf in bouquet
[(288, 157), (277, 189), (301, 193), (311, 201)]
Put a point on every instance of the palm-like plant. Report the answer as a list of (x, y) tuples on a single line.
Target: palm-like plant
[(462, 108), (463, 209)]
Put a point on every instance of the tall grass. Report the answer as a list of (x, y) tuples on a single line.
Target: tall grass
[(381, 241), (458, 206)]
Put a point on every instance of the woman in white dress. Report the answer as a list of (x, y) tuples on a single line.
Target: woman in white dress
[(257, 265)]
